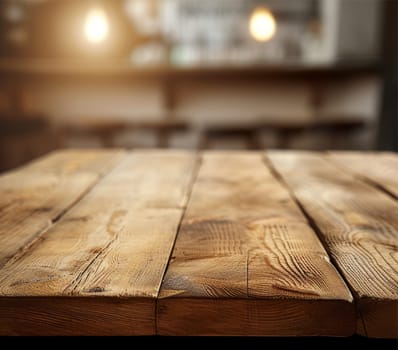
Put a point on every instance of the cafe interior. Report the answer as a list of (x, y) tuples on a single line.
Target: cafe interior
[(197, 75)]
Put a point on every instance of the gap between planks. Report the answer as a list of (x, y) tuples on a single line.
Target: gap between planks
[(311, 222), (382, 174), (195, 172), (39, 236), (61, 166)]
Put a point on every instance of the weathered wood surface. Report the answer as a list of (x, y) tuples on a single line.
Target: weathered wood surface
[(247, 263), (113, 246), (359, 226), (34, 196), (171, 242), (380, 169)]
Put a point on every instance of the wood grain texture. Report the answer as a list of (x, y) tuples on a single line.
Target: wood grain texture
[(113, 245), (61, 316), (380, 169), (33, 197), (246, 262), (71, 161), (257, 317), (359, 225)]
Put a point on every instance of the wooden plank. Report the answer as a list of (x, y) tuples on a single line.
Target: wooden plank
[(246, 262), (359, 226), (113, 246), (33, 197), (71, 161), (378, 168)]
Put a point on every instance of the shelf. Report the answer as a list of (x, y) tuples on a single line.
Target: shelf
[(126, 69)]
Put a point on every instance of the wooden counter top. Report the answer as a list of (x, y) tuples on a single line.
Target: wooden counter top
[(147, 242)]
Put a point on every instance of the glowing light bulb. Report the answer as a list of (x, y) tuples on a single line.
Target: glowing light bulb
[(96, 27), (262, 24)]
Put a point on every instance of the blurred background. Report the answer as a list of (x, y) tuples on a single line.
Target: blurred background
[(209, 74)]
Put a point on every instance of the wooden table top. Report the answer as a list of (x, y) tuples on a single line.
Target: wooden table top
[(218, 243)]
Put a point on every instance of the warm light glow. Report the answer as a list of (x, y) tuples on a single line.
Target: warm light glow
[(262, 24), (96, 26)]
